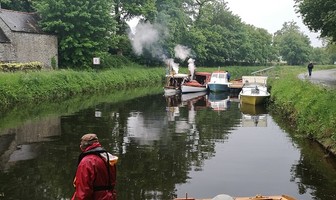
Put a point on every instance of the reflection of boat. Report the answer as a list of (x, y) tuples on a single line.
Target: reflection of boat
[(257, 197), (254, 120), (219, 101), (254, 90), (173, 100), (173, 83), (198, 84), (219, 82), (190, 96), (194, 101), (253, 109), (187, 99), (253, 115)]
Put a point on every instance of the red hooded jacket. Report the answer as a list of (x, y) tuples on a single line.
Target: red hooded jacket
[(92, 172)]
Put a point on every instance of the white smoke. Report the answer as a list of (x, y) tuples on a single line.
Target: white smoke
[(191, 66), (171, 64), (147, 36), (144, 36), (181, 52)]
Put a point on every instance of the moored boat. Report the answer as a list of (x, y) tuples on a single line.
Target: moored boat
[(254, 90), (198, 84), (219, 82), (173, 83)]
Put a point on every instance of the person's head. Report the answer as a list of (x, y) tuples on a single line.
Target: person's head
[(87, 140)]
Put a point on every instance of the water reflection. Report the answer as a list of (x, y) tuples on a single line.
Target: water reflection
[(253, 115), (219, 101), (166, 146)]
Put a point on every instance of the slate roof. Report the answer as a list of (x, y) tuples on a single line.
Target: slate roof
[(3, 37), (20, 21)]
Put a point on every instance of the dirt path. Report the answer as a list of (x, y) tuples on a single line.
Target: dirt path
[(326, 78)]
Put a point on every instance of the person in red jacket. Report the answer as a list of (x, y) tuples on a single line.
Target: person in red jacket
[(96, 172)]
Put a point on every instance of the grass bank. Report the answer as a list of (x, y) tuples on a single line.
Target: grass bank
[(309, 108), (20, 87)]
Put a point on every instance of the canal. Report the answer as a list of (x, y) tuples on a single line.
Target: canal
[(200, 144)]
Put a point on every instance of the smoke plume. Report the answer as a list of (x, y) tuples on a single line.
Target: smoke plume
[(147, 36)]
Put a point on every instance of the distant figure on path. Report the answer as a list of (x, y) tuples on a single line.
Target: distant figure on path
[(310, 68), (228, 75)]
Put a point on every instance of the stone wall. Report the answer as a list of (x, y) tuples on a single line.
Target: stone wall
[(28, 47), (35, 47)]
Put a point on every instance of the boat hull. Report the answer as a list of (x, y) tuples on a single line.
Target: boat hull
[(215, 87), (253, 99), (189, 89)]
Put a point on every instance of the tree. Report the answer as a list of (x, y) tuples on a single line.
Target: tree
[(18, 5), (293, 46), (319, 15), (84, 28), (256, 46), (331, 49), (320, 56)]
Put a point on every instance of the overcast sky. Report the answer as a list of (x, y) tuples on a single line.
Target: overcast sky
[(270, 15)]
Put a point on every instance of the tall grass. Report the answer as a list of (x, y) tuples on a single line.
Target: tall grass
[(308, 107), (48, 85)]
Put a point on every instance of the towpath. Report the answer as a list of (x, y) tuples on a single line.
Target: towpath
[(326, 78)]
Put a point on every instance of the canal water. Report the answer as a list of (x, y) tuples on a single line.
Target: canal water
[(199, 145)]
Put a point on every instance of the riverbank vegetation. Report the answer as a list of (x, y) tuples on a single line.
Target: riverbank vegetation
[(209, 31), (308, 107), (36, 86), (20, 87)]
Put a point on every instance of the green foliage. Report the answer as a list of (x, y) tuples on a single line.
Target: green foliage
[(50, 85), (319, 15), (83, 28), (294, 47), (53, 63), (320, 56), (307, 105), (331, 50), (18, 5), (109, 61)]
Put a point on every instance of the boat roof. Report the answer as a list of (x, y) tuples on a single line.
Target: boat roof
[(219, 72), (255, 79), (202, 73), (177, 75)]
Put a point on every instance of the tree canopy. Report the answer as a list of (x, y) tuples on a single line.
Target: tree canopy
[(84, 28), (319, 15), (213, 35)]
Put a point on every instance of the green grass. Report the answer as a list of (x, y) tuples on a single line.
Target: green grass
[(23, 87), (307, 106)]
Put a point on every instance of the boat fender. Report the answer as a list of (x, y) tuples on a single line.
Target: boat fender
[(223, 197)]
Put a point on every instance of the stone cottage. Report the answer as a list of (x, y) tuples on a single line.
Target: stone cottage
[(22, 40)]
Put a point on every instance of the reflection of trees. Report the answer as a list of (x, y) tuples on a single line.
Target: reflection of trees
[(315, 172), (153, 172), (50, 174)]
